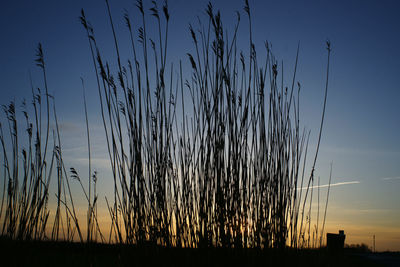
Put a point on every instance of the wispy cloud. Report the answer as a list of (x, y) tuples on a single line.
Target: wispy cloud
[(332, 185), (390, 178)]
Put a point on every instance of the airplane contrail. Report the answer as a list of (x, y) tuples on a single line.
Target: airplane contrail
[(335, 184)]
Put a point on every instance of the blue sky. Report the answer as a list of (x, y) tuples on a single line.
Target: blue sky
[(362, 122)]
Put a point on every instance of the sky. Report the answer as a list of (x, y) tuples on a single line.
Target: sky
[(362, 122)]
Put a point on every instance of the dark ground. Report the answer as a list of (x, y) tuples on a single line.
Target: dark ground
[(16, 253)]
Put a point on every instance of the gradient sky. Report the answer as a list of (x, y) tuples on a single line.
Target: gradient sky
[(361, 134)]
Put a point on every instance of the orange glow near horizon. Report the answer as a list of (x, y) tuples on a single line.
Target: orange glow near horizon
[(386, 238)]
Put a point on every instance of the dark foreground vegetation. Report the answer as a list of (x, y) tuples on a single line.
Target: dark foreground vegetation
[(41, 253)]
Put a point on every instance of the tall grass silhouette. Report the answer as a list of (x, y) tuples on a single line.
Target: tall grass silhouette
[(24, 209), (216, 159), (228, 176)]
